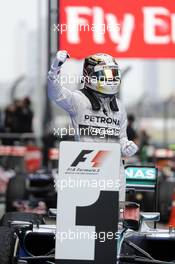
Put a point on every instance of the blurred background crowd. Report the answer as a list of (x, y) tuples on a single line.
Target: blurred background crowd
[(17, 117)]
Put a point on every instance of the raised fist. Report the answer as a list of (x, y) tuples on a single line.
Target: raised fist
[(60, 58)]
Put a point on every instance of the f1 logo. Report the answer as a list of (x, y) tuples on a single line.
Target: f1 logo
[(97, 160)]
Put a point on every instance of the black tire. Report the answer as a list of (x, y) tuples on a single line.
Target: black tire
[(7, 244), (19, 216), (16, 190), (164, 209), (166, 190)]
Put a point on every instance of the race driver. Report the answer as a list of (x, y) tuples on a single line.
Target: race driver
[(96, 113)]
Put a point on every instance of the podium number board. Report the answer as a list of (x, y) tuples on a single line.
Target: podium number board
[(87, 219)]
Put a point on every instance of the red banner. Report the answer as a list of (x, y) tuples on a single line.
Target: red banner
[(123, 28), (33, 158)]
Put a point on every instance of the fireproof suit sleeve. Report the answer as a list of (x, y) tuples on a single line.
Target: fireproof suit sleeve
[(123, 125), (62, 96)]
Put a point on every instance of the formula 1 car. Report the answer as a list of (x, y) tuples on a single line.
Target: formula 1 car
[(139, 241), (164, 160), (31, 192), (26, 239)]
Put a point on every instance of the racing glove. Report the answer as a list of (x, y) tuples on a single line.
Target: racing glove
[(60, 58), (128, 148)]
